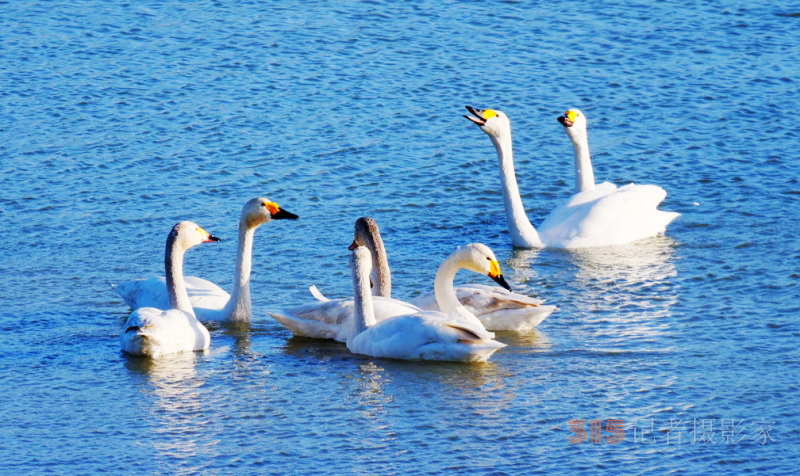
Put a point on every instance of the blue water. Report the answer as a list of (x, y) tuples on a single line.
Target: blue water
[(119, 119)]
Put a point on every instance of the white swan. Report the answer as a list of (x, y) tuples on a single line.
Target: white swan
[(210, 302), (328, 319), (599, 216), (421, 335), (496, 308), (152, 332)]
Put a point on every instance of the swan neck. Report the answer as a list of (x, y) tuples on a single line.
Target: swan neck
[(362, 299), (445, 291), (176, 288), (523, 234), (239, 307), (584, 175), (443, 286), (381, 274)]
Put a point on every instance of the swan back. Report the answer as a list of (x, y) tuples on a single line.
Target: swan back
[(607, 216)]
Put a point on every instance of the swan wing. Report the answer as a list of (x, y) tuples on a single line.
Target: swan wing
[(496, 308), (516, 319), (307, 327), (329, 319), (426, 336), (607, 216), (150, 292)]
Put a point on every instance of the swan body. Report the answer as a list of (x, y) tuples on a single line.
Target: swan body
[(496, 308), (153, 332), (601, 215), (328, 319), (421, 335), (209, 301)]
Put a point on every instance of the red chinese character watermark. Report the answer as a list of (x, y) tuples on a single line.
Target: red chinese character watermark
[(614, 427)]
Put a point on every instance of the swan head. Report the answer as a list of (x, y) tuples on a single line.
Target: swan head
[(574, 122), (187, 234), (366, 234), (479, 258), (261, 210), (491, 121)]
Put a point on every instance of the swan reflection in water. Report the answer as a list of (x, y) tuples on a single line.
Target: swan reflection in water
[(629, 289), (372, 383), (175, 408)]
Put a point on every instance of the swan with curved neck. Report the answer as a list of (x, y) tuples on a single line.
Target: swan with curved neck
[(152, 332), (595, 216), (420, 335), (497, 308), (210, 302)]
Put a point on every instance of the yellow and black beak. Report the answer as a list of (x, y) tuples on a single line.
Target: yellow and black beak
[(277, 213), (207, 237), (568, 118), (481, 115), (496, 275)]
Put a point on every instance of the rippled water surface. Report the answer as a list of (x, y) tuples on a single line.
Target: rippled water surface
[(119, 119)]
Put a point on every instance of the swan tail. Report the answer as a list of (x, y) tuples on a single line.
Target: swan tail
[(516, 319), (307, 327), (317, 294)]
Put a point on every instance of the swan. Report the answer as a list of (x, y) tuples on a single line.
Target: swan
[(422, 335), (152, 332), (597, 216), (497, 308), (210, 302), (328, 319)]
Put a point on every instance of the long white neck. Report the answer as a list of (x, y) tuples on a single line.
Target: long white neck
[(584, 175), (176, 288), (523, 234), (445, 292), (364, 317), (238, 308)]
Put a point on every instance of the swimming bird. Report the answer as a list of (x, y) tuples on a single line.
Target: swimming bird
[(210, 302), (328, 319), (153, 332), (497, 308), (421, 335), (600, 216)]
